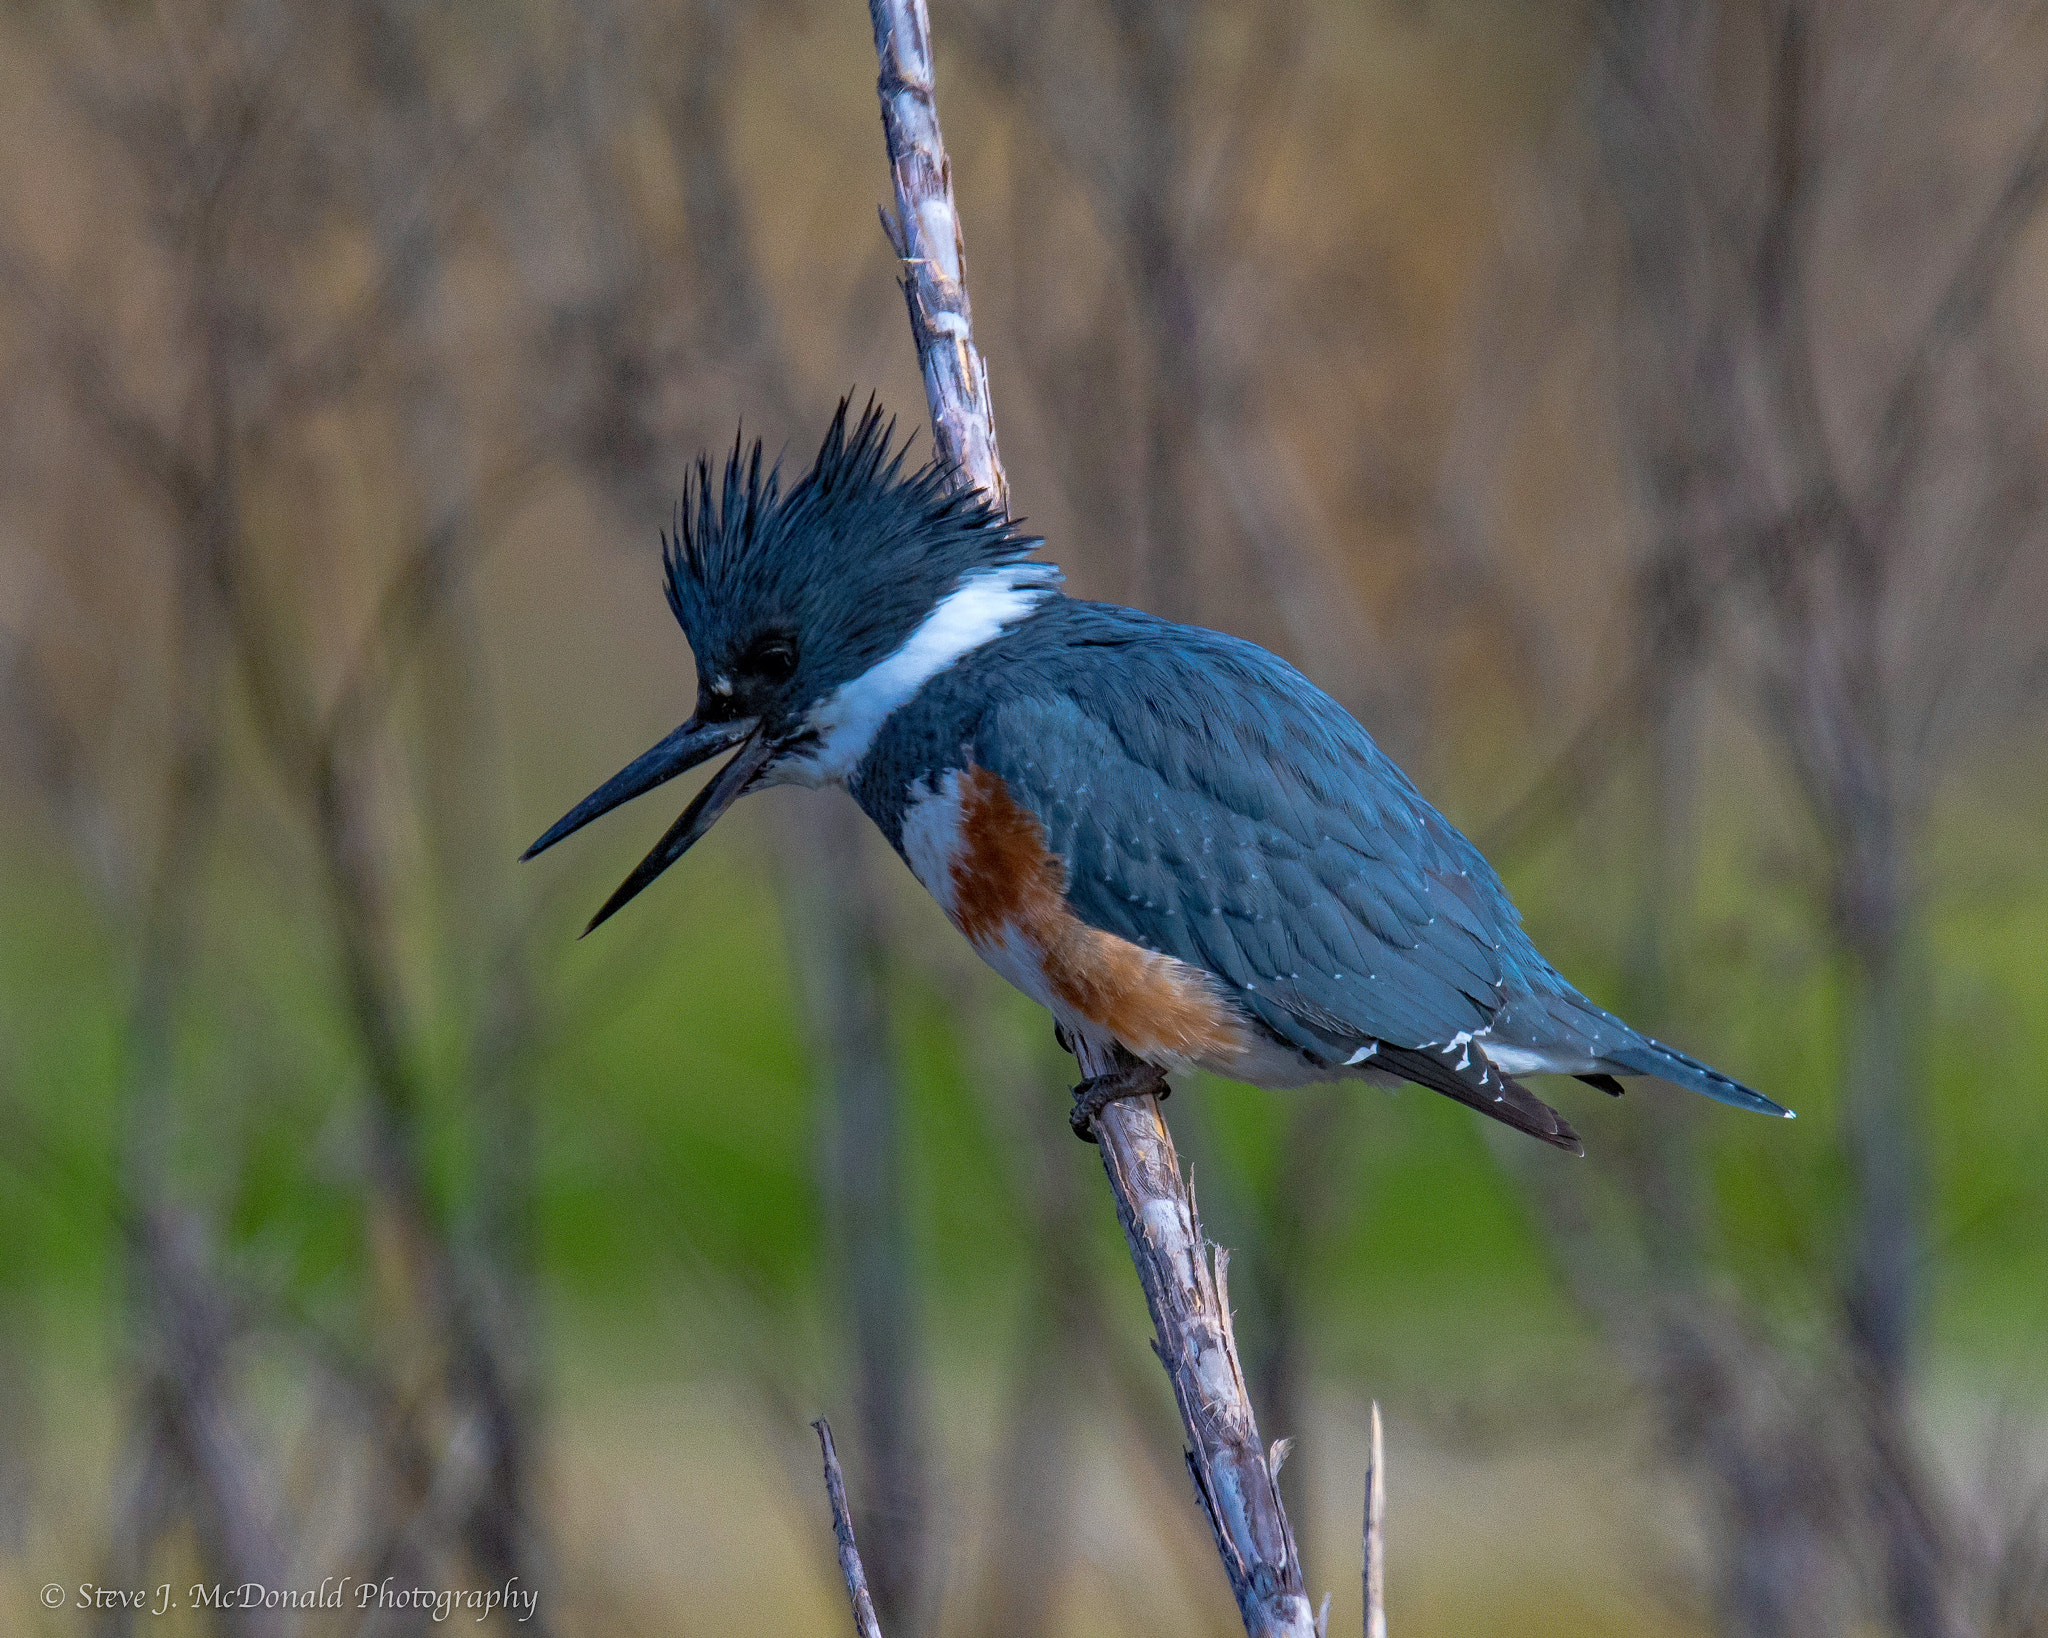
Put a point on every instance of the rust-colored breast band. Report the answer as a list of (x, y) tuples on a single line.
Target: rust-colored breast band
[(1007, 885)]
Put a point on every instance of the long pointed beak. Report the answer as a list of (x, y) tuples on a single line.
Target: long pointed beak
[(689, 745), (727, 786)]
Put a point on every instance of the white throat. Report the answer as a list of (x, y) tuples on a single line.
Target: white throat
[(974, 613)]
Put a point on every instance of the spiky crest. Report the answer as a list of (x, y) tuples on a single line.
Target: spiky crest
[(732, 542)]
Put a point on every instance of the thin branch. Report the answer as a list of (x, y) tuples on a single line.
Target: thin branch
[(1376, 1534), (432, 568), (1235, 1480), (151, 455), (1962, 302), (926, 233), (864, 1623)]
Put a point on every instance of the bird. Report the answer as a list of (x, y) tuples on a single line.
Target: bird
[(1167, 836)]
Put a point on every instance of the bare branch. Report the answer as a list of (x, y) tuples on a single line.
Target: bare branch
[(864, 1623), (1959, 308), (1188, 1295), (152, 456), (1376, 1534), (433, 567), (1185, 1290), (926, 233)]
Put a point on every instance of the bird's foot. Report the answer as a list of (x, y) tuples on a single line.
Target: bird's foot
[(1130, 1079)]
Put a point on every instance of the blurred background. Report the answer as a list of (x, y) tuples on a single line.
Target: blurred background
[(1634, 410)]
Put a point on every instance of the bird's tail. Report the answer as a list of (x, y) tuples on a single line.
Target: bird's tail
[(1643, 1056), (1565, 1023)]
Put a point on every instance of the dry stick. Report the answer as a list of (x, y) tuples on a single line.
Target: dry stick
[(864, 1623), (1376, 1535), (926, 234), (1235, 1477)]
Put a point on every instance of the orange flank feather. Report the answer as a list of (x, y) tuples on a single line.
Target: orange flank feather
[(1007, 885)]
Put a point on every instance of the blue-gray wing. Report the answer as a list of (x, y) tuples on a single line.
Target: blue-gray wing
[(1212, 804)]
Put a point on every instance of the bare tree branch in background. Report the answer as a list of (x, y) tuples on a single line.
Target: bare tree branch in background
[(1052, 1375), (188, 1442), (219, 144), (870, 1189), (654, 315), (1840, 520)]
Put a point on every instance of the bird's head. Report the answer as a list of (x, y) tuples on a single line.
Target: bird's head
[(811, 615)]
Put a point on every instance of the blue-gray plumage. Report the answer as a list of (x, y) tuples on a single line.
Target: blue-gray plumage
[(1169, 836)]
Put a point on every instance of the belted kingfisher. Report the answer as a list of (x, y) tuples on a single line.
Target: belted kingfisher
[(1167, 836)]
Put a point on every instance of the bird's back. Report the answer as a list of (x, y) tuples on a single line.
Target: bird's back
[(1211, 802), (1207, 802)]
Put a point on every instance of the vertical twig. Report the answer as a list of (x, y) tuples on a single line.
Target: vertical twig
[(1376, 1534), (864, 1623), (926, 234), (1235, 1478)]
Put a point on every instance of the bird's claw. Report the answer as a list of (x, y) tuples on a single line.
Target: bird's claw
[(1098, 1092)]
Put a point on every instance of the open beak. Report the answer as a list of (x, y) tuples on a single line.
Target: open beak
[(689, 745)]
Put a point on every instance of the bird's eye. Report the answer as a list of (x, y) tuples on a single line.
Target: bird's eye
[(773, 659)]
